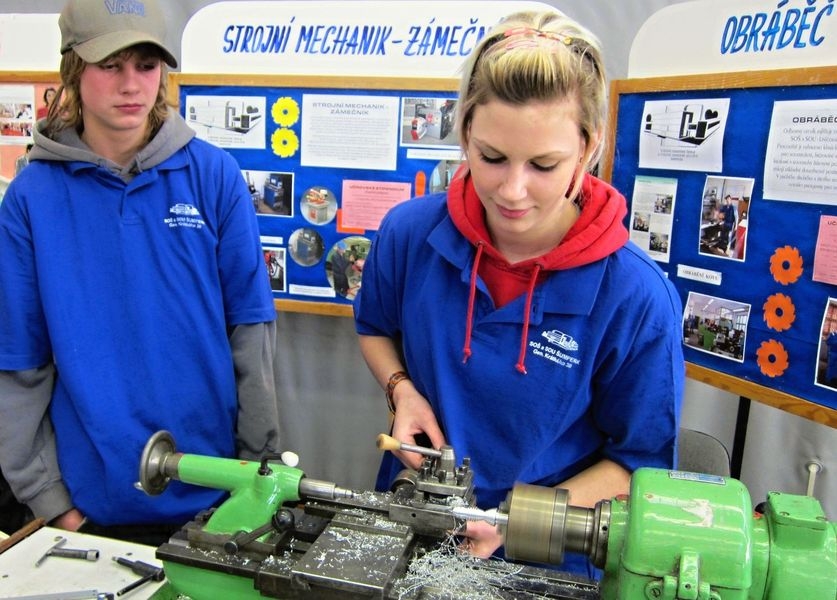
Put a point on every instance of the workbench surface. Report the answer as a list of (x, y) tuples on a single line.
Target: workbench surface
[(57, 575)]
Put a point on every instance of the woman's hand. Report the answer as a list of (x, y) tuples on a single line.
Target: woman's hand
[(481, 539), (413, 417)]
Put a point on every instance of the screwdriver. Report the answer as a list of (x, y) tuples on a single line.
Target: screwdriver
[(146, 571)]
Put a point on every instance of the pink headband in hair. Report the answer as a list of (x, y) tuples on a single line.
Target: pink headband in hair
[(528, 37)]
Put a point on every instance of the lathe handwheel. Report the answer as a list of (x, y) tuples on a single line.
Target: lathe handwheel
[(153, 479)]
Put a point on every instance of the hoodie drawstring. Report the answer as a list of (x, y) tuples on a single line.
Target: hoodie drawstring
[(520, 366), (469, 317), (472, 294)]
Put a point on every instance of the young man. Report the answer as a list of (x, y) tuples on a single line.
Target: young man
[(133, 291)]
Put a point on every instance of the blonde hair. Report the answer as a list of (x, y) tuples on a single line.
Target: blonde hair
[(65, 109), (538, 56)]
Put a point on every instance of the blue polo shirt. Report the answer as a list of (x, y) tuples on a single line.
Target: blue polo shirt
[(604, 356), (130, 292)]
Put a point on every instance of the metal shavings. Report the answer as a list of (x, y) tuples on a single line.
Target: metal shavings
[(284, 560), (455, 575), (384, 523), (374, 498), (221, 557), (353, 547)]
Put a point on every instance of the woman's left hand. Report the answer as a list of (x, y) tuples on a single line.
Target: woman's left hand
[(481, 539)]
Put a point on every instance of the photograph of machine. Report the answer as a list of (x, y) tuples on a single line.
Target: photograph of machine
[(692, 123), (232, 115), (319, 205), (227, 121), (428, 121), (278, 193), (306, 246)]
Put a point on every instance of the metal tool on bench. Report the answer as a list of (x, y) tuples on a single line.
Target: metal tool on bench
[(146, 572), (57, 550)]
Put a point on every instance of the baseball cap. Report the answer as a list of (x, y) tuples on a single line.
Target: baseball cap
[(95, 29)]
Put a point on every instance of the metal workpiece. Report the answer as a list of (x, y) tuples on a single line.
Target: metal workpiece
[(323, 490), (492, 516)]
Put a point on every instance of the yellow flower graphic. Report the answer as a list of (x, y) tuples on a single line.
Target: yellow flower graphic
[(285, 142), (285, 111)]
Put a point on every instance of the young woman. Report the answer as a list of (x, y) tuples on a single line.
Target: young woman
[(511, 317)]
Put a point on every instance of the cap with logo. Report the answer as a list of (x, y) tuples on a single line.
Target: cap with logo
[(95, 29)]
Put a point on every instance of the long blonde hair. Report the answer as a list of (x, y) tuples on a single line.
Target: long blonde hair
[(539, 56), (65, 110)]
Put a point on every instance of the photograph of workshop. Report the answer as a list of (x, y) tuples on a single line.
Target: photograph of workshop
[(344, 265), (272, 193), (724, 212), (716, 325), (442, 174), (274, 259), (17, 114), (826, 368)]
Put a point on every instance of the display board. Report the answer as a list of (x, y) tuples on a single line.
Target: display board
[(325, 158), (731, 181), (23, 100)]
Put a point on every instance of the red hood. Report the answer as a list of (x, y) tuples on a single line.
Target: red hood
[(598, 232)]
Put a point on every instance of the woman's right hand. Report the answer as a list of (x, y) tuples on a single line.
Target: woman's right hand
[(413, 417)]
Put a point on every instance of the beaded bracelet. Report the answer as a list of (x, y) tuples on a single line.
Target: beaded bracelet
[(394, 380)]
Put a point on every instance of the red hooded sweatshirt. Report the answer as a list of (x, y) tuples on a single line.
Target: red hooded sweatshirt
[(598, 232)]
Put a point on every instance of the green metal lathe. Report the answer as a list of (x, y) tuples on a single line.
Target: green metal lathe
[(676, 536)]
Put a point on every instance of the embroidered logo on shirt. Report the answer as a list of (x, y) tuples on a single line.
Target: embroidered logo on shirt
[(549, 351), (561, 339), (185, 215)]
